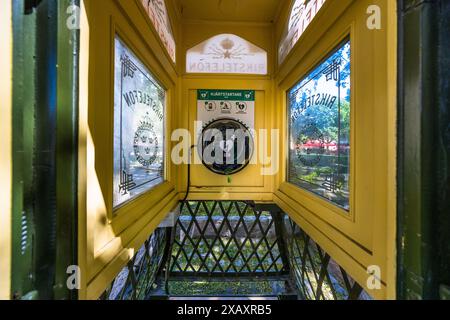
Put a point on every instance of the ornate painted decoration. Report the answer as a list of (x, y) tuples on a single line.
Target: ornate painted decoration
[(302, 13), (226, 53), (157, 11)]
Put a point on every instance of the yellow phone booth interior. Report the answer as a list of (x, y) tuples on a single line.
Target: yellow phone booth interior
[(307, 80)]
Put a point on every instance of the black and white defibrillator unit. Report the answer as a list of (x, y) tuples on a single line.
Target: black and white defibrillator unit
[(225, 141)]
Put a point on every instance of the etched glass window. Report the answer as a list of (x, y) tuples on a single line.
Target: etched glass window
[(226, 53), (157, 12), (139, 103), (319, 129), (302, 14)]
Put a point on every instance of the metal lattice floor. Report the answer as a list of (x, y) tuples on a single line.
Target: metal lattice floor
[(233, 249)]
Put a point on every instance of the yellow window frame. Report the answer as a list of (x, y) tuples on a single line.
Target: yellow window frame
[(108, 238), (366, 236)]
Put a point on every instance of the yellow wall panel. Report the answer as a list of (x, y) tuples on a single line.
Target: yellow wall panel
[(364, 237), (105, 235), (195, 32), (360, 238), (249, 184), (5, 147)]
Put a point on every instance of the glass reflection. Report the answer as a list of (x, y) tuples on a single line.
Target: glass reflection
[(319, 129)]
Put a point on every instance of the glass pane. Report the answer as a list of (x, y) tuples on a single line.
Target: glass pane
[(139, 103), (319, 129), (157, 12), (226, 53), (302, 14)]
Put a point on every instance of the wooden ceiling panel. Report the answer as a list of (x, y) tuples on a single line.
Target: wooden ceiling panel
[(260, 11)]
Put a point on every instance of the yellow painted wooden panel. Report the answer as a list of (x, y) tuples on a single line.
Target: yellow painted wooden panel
[(248, 182), (347, 260), (125, 246), (250, 176), (194, 33), (105, 235), (366, 235), (231, 10), (5, 147)]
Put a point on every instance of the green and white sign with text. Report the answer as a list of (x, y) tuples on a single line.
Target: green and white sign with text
[(220, 104)]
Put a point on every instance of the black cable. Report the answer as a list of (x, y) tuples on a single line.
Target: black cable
[(188, 177)]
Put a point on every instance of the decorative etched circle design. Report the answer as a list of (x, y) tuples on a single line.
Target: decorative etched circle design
[(226, 146), (310, 145), (146, 144)]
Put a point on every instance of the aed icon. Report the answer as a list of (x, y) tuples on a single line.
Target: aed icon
[(226, 143), (241, 107)]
